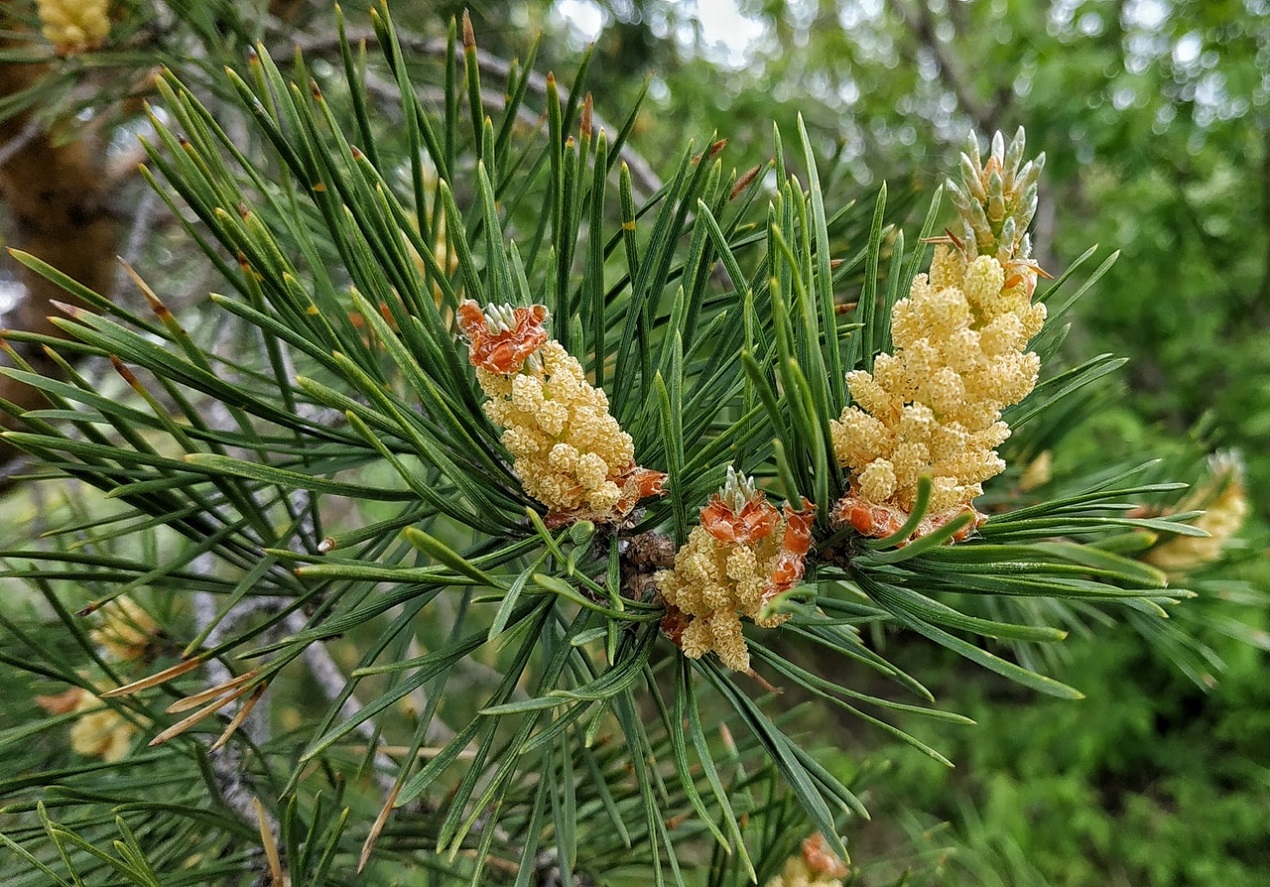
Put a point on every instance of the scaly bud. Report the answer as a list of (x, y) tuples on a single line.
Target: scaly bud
[(998, 189)]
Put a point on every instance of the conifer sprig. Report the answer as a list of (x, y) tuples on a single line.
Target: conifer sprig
[(337, 486)]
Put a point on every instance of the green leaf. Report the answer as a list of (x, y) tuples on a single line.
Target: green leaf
[(213, 463), (443, 553), (906, 617)]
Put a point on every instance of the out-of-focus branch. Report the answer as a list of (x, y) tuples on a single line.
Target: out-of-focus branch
[(56, 196), (921, 23)]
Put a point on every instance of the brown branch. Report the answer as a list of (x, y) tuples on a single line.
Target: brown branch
[(922, 25), (53, 186)]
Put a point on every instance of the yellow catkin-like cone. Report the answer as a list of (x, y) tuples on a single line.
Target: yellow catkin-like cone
[(815, 866), (1226, 508), (933, 406), (126, 631), (1038, 472), (74, 26), (569, 453), (743, 554), (100, 731)]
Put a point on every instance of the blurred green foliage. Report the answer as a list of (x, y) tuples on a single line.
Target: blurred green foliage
[(1149, 780)]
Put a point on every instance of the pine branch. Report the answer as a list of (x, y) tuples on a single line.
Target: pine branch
[(643, 176), (368, 434)]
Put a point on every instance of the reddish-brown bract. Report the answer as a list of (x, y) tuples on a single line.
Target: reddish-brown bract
[(674, 623), (879, 521), (869, 518), (756, 520), (820, 859), (507, 350), (789, 567), (638, 483)]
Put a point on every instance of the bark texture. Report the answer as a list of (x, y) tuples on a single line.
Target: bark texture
[(54, 187)]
